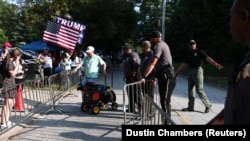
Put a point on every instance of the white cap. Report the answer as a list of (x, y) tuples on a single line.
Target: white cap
[(90, 49)]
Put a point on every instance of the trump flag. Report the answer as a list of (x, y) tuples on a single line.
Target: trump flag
[(64, 32)]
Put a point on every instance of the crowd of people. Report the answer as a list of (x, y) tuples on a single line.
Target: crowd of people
[(13, 72), (46, 64)]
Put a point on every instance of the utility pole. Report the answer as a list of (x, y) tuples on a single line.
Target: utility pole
[(163, 19)]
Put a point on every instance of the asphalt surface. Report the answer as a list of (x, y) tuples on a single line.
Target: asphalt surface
[(68, 122)]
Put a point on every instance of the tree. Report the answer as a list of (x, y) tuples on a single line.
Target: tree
[(109, 23), (3, 38), (149, 18)]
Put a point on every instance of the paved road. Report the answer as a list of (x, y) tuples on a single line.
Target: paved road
[(215, 94), (73, 124)]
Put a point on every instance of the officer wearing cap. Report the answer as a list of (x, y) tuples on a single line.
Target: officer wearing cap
[(161, 58), (131, 72), (194, 59)]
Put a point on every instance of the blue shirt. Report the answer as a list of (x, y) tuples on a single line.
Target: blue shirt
[(92, 65)]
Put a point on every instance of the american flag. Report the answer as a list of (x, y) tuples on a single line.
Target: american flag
[(61, 35)]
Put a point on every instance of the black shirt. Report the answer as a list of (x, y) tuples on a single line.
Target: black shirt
[(195, 58)]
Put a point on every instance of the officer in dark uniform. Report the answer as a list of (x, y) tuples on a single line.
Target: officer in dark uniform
[(161, 59), (237, 105), (131, 74), (194, 59)]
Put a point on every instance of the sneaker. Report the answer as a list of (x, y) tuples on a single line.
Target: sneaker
[(187, 109), (8, 124), (208, 109), (3, 125)]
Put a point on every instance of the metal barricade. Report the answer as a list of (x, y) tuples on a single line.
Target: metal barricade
[(145, 101), (36, 99), (132, 107), (29, 101)]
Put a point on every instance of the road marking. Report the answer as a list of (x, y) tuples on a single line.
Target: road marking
[(184, 118)]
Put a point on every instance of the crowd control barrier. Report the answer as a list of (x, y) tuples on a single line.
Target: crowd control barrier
[(36, 99), (143, 108)]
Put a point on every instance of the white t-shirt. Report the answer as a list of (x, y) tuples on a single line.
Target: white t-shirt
[(48, 62), (19, 71), (75, 62)]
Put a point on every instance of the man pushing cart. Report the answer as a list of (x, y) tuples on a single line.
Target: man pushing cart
[(97, 93)]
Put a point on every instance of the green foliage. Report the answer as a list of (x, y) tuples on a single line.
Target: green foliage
[(149, 18), (3, 38), (109, 23), (205, 21)]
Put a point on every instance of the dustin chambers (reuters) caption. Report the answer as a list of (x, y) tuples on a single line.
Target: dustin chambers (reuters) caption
[(194, 131)]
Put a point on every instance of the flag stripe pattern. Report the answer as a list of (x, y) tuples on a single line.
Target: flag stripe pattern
[(61, 35)]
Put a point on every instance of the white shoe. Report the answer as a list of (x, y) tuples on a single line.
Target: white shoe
[(8, 124)]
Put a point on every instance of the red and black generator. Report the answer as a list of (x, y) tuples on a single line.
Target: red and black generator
[(95, 96)]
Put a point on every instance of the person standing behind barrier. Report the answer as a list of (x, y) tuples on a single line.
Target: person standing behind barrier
[(66, 62), (91, 63), (81, 55), (131, 74), (74, 59), (22, 68), (236, 109), (194, 59), (161, 58), (150, 82), (74, 62), (146, 56), (9, 91), (4, 51), (48, 66), (38, 69)]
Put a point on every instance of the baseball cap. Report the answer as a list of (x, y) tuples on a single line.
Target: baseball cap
[(192, 41), (90, 49), (155, 34), (7, 44)]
